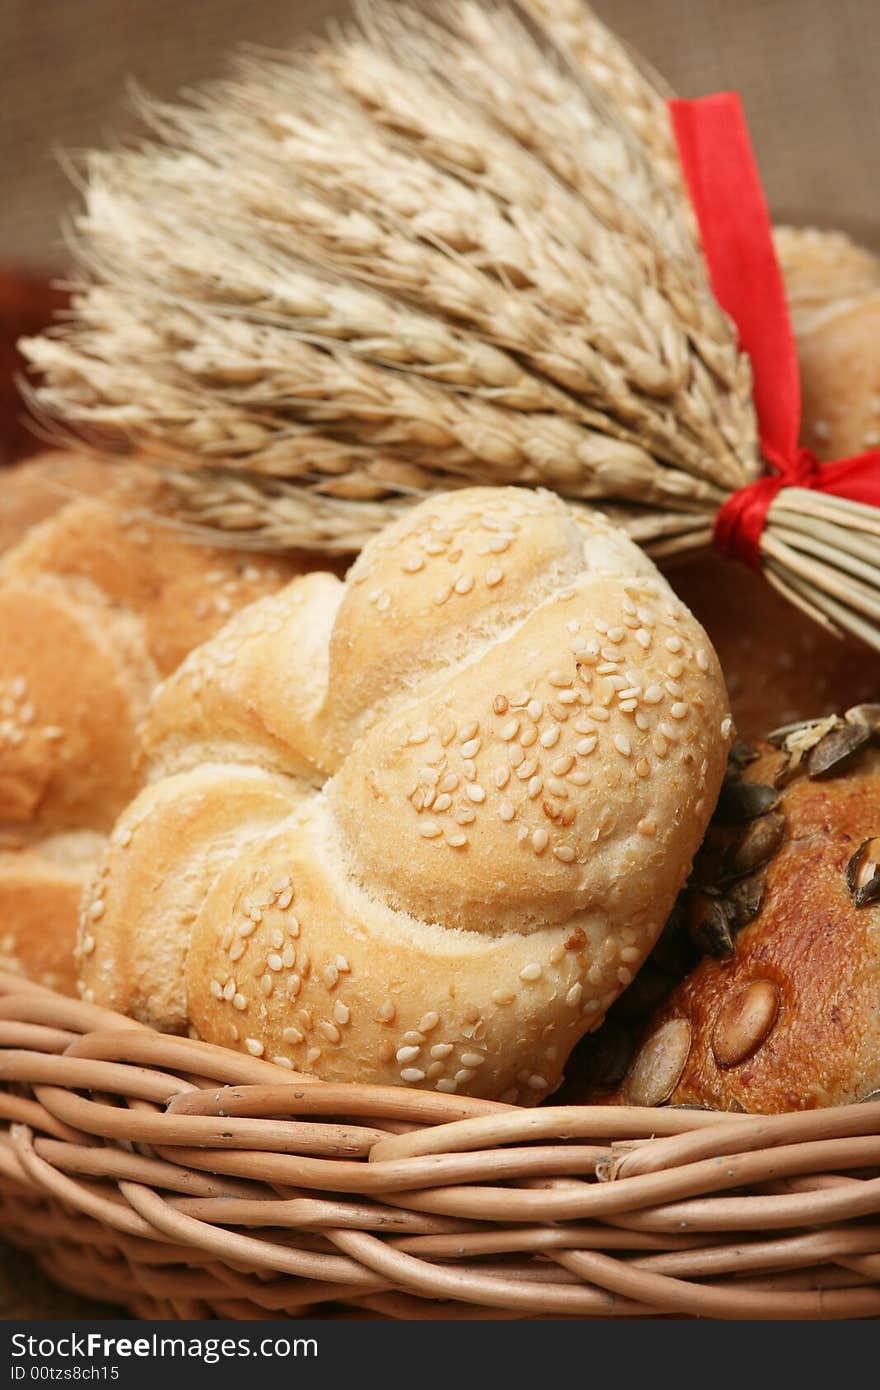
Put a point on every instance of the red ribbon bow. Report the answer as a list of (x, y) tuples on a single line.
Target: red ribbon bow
[(725, 190)]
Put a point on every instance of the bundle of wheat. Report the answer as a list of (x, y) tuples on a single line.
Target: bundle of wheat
[(426, 253)]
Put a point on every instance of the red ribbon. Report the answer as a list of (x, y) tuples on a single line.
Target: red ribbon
[(725, 189)]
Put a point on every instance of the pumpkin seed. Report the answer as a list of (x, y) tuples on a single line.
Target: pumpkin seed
[(743, 901), (837, 750), (865, 714), (744, 801), (863, 872), (757, 846), (709, 925)]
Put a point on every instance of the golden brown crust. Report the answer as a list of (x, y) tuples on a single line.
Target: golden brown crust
[(41, 885), (515, 800), (98, 600), (822, 270), (790, 1022)]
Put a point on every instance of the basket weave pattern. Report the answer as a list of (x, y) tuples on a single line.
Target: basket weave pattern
[(189, 1181)]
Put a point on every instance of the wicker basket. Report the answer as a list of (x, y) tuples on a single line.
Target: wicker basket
[(188, 1181)]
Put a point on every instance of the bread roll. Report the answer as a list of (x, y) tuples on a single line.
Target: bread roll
[(421, 827), (98, 602), (785, 1017)]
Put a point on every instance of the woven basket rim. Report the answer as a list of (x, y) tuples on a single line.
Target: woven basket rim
[(213, 1183)]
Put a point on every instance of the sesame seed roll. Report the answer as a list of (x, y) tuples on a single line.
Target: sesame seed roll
[(421, 826)]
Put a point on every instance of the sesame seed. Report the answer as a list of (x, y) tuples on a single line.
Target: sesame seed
[(534, 787), (294, 985), (556, 787), (675, 668), (419, 735), (465, 816), (237, 950), (434, 1070), (328, 1030), (599, 714), (565, 853), (550, 737), (534, 709), (247, 928), (283, 1062), (412, 1075), (573, 998), (531, 972), (464, 1075), (216, 989), (616, 634), (506, 811), (474, 792), (312, 1056), (494, 576), (537, 1083), (292, 1035), (97, 909), (559, 679), (472, 1059), (429, 1021), (254, 1047), (471, 748), (674, 689), (457, 840), (528, 737), (464, 583), (387, 1012), (502, 777), (469, 768), (643, 638), (229, 989), (448, 782), (627, 706), (509, 730), (239, 1002), (467, 731), (540, 840), (562, 764), (647, 827), (441, 1050), (578, 778), (726, 727), (407, 1054), (679, 710), (702, 660), (342, 965), (643, 767), (442, 802), (429, 830), (274, 961), (267, 984), (330, 976), (412, 564), (623, 745), (447, 1085)]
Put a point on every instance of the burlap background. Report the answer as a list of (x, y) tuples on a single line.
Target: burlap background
[(807, 69)]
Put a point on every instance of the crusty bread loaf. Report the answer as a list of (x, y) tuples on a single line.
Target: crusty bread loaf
[(422, 826), (98, 602), (790, 1020)]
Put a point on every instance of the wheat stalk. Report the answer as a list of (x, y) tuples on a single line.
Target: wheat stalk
[(429, 252)]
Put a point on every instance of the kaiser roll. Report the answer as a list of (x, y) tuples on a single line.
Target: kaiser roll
[(422, 826)]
